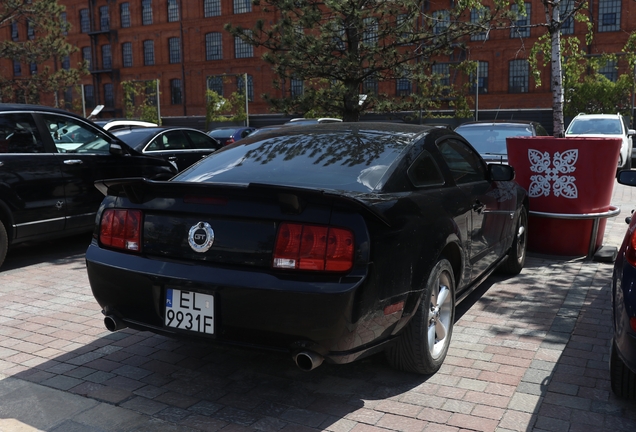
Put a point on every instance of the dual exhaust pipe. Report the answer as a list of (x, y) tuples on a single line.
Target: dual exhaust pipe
[(305, 360)]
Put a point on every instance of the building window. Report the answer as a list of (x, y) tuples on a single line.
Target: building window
[(213, 46), (215, 83), (124, 14), (521, 27), (146, 12), (241, 48), (64, 23), (478, 15), (609, 15), (242, 6), (104, 18), (174, 45), (149, 53), (370, 34), (175, 92), (297, 87), (109, 96), (403, 87), (482, 78), (107, 58), (173, 11), (211, 8), (33, 68), (126, 54), (610, 70), (17, 68), (89, 96), (518, 76), (240, 86), (566, 7), (442, 21), (15, 35), (442, 72), (30, 30), (370, 85), (85, 22), (87, 57), (66, 62)]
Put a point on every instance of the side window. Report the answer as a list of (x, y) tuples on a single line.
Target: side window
[(175, 140), (155, 145), (202, 141), (425, 172), (71, 135), (19, 134), (464, 163)]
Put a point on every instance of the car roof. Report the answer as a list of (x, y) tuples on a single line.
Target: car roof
[(498, 122)]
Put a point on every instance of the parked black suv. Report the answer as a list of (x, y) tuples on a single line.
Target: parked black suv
[(47, 190)]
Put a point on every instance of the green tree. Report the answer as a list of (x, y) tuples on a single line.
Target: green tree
[(43, 43), (140, 100), (343, 49), (218, 108)]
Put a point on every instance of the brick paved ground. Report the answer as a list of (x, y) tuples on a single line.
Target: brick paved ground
[(529, 353)]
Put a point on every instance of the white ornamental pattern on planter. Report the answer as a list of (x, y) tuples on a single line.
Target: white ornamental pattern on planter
[(551, 178)]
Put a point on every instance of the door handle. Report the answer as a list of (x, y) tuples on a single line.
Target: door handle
[(73, 162), (172, 158), (478, 206)]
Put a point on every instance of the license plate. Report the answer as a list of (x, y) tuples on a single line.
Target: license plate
[(189, 310)]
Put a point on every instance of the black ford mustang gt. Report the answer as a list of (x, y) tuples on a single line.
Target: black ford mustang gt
[(331, 242)]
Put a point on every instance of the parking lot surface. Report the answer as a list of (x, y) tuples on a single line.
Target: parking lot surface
[(528, 353)]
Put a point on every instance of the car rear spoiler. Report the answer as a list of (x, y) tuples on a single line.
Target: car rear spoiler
[(291, 199)]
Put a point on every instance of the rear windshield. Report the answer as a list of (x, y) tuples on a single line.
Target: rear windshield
[(351, 161), (588, 126), (221, 133), (491, 139)]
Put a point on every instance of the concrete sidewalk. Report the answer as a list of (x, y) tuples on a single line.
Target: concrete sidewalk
[(529, 353)]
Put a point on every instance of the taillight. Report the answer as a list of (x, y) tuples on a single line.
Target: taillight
[(121, 229), (313, 247), (632, 322), (229, 141), (630, 251)]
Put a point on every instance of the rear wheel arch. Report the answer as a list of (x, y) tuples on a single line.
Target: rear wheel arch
[(453, 254), (7, 219)]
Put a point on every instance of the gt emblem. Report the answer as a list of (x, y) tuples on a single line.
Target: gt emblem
[(201, 237)]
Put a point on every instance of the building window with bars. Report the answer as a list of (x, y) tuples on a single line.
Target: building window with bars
[(107, 58), (174, 47), (521, 26), (109, 96), (87, 57), (241, 48), (64, 24), (15, 35), (30, 30), (66, 62), (566, 7), (477, 15), (242, 6), (609, 15), (17, 68), (149, 53), (175, 92), (215, 83), (213, 46), (33, 68), (370, 33), (124, 15), (173, 11), (240, 86), (442, 72), (370, 85), (403, 87), (85, 22), (146, 12), (610, 70), (518, 76), (482, 78), (104, 18), (89, 96), (211, 8), (296, 87), (126, 54), (442, 21)]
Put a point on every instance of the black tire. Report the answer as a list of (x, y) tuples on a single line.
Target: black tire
[(4, 243), (623, 380), (517, 254), (419, 349)]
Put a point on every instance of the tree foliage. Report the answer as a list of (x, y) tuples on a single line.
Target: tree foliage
[(140, 100), (43, 43), (342, 50), (220, 109)]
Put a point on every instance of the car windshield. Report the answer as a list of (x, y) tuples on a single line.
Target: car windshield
[(589, 126), (491, 139), (221, 133), (135, 137), (343, 160)]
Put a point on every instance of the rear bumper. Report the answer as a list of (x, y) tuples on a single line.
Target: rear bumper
[(255, 308)]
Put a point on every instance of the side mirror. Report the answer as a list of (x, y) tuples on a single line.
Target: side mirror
[(631, 132), (116, 149), (501, 172), (627, 178)]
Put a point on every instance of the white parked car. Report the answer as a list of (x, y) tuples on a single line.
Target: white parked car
[(113, 125), (605, 126)]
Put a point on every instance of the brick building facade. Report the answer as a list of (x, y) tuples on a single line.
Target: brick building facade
[(183, 44)]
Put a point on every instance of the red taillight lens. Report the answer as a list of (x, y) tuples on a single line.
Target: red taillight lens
[(229, 141), (313, 247), (121, 229), (632, 322), (630, 251)]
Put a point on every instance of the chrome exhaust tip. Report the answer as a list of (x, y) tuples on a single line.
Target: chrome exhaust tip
[(113, 323), (307, 360)]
